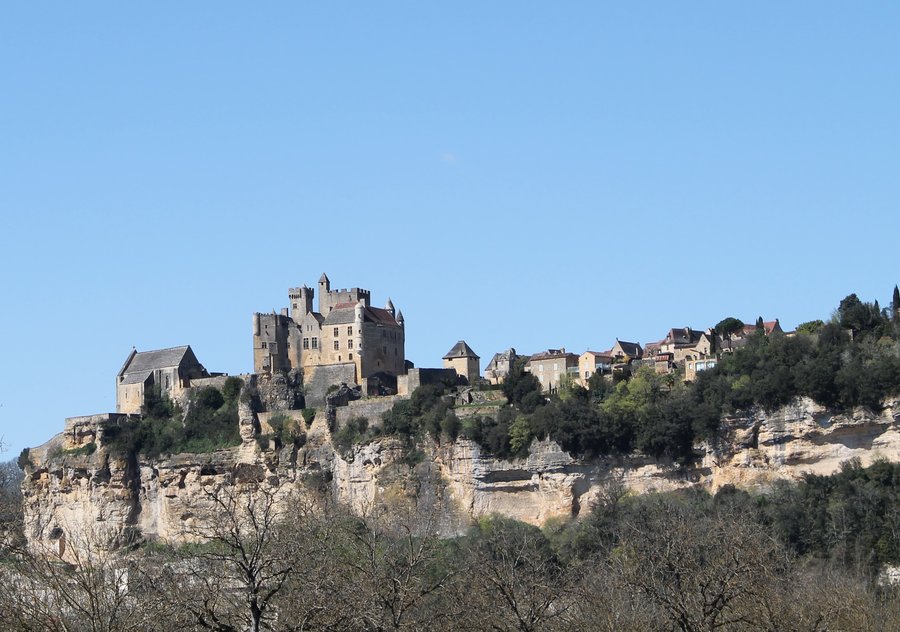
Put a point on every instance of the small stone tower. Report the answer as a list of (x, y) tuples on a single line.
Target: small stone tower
[(301, 301)]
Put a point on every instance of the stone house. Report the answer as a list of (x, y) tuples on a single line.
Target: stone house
[(591, 362), (686, 343), (624, 352), (345, 331), (550, 366), (169, 370), (464, 361), (500, 365)]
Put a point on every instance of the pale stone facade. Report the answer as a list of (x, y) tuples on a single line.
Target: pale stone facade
[(169, 370), (464, 361), (500, 365), (550, 366), (591, 362)]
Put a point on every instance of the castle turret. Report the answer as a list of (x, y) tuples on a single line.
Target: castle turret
[(301, 301), (389, 307), (400, 320)]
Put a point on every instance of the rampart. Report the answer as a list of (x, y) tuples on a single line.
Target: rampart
[(371, 409), (318, 379)]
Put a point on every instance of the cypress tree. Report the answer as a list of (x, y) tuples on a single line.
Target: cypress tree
[(895, 304)]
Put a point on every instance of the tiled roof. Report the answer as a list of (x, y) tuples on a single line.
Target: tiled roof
[(630, 348), (461, 350), (342, 314), (138, 377), (378, 315), (159, 359), (683, 336), (551, 354)]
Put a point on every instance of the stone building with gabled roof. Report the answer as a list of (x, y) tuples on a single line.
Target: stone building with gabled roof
[(346, 332), (464, 361), (551, 366), (170, 370), (500, 365)]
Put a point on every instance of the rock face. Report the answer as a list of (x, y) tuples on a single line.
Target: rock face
[(71, 493)]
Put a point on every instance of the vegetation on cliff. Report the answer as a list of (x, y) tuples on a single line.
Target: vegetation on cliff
[(853, 360), (209, 423)]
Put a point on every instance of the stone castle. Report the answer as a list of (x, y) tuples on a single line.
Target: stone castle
[(346, 333)]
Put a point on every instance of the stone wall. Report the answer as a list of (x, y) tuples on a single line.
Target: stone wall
[(318, 379), (372, 409), (414, 378)]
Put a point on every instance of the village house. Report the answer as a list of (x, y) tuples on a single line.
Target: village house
[(500, 365), (551, 366), (591, 362)]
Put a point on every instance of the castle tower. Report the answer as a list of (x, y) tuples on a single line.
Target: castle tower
[(400, 320), (324, 289), (301, 302), (389, 307)]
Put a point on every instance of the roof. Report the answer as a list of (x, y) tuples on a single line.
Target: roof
[(683, 336), (461, 350), (341, 314), (323, 278), (138, 377), (345, 313), (146, 361), (552, 354), (602, 354), (632, 349)]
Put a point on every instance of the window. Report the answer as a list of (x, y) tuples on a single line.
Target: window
[(337, 345), (315, 343), (336, 334), (306, 343), (384, 350), (349, 331), (349, 356), (265, 345), (587, 374), (350, 343)]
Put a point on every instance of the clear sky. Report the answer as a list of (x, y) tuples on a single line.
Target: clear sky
[(527, 174)]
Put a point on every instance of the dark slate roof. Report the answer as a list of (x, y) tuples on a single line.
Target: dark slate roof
[(550, 354), (683, 336), (145, 361), (345, 313), (323, 278), (461, 350), (138, 377), (341, 314), (632, 349)]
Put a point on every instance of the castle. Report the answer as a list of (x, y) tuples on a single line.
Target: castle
[(346, 332)]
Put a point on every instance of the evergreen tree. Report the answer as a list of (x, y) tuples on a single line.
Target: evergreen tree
[(895, 304)]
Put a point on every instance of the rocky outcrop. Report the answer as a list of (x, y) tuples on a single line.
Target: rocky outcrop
[(70, 490)]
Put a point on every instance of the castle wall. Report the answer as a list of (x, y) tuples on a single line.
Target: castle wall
[(384, 350), (414, 378), (317, 380), (371, 409)]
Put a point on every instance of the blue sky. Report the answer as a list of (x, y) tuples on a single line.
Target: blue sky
[(512, 173)]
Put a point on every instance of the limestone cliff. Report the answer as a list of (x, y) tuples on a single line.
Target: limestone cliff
[(69, 490)]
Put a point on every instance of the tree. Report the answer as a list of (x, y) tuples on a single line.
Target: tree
[(241, 559), (728, 326), (895, 305)]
